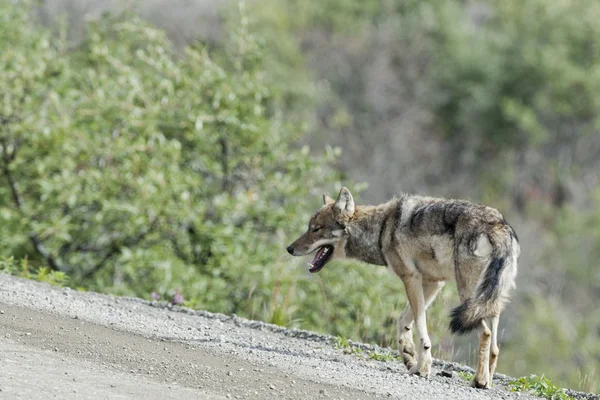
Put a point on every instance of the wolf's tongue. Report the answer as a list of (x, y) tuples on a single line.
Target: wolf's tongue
[(318, 255), (320, 259)]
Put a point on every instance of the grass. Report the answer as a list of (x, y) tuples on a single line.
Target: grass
[(23, 269), (343, 344), (467, 376), (384, 357), (589, 382), (539, 386)]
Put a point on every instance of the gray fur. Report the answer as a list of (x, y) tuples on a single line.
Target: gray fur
[(427, 241)]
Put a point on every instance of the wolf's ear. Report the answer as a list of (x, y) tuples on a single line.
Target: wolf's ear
[(345, 202), (327, 200)]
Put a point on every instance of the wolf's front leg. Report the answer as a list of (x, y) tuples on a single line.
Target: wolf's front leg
[(416, 299), (405, 338)]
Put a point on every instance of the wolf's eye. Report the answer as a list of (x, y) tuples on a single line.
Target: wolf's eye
[(316, 229)]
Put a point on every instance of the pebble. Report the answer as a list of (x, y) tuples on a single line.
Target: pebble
[(446, 373)]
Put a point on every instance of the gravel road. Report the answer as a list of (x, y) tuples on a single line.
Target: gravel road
[(59, 343)]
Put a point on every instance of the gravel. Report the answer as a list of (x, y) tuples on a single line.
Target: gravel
[(115, 347)]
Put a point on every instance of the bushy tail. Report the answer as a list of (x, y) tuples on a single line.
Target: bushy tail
[(491, 293)]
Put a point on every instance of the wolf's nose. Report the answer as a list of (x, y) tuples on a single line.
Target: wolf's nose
[(290, 250)]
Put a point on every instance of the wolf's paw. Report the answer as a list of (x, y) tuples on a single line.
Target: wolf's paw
[(481, 383), (409, 361), (408, 357), (407, 347), (420, 370)]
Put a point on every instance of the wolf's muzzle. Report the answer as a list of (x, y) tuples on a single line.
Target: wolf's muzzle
[(290, 250)]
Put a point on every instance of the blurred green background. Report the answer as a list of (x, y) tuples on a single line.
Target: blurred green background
[(173, 149)]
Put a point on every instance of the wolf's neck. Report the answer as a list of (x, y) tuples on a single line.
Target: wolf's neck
[(364, 229)]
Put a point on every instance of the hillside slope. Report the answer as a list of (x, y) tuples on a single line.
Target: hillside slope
[(67, 344)]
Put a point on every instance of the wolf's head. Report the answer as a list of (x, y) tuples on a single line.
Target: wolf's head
[(326, 231)]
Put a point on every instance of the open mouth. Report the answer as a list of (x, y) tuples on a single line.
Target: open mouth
[(323, 255)]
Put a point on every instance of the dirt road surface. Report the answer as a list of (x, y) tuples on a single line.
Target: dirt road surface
[(59, 343)]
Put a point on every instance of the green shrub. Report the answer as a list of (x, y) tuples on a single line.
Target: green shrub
[(519, 76), (539, 386), (23, 269), (134, 170), (137, 171)]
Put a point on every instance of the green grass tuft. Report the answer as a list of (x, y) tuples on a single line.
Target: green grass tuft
[(23, 269), (539, 386), (343, 344), (467, 376), (385, 357)]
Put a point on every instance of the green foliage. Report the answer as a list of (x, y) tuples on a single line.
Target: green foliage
[(381, 356), (334, 15), (343, 344), (134, 170), (23, 269), (539, 386), (513, 80), (548, 319), (467, 376)]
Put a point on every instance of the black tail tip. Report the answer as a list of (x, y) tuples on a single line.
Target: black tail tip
[(459, 323)]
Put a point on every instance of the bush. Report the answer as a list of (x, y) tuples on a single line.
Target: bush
[(134, 170), (137, 171), (519, 75)]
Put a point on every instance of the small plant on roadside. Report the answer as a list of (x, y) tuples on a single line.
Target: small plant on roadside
[(356, 351), (341, 343), (467, 376), (539, 386), (378, 356), (589, 382), (174, 297), (177, 298), (54, 278), (8, 265), (22, 268), (344, 345)]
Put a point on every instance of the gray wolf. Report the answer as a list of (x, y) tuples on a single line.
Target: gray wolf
[(426, 242)]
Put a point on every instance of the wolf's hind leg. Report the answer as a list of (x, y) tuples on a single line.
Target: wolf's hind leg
[(482, 377), (494, 350)]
